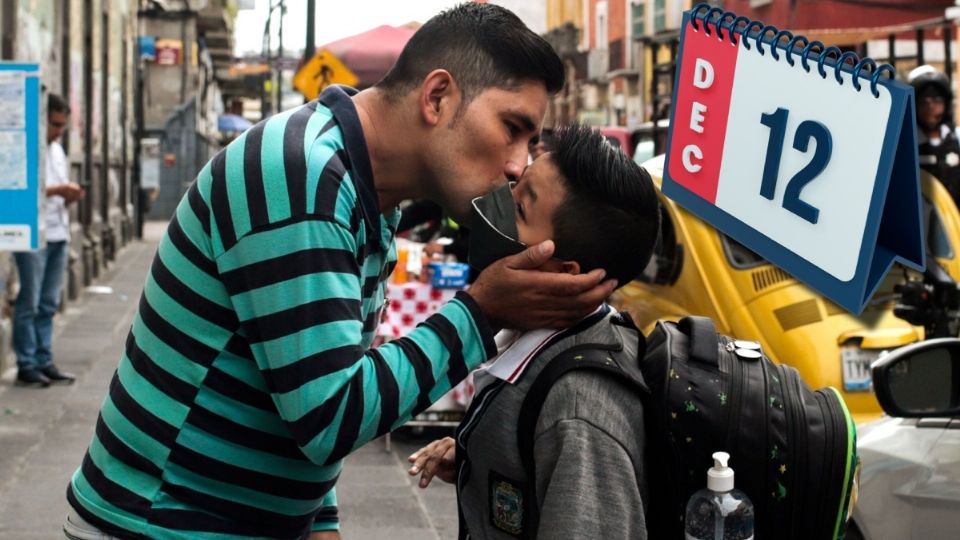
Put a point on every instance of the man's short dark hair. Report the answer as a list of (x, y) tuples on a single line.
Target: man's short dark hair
[(482, 46), (56, 103), (610, 217)]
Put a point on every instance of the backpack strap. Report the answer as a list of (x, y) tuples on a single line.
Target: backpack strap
[(703, 339), (584, 357)]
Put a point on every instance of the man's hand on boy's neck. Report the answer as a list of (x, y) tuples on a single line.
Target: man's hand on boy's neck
[(515, 293)]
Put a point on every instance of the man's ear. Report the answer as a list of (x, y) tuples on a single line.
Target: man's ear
[(438, 94), (571, 267)]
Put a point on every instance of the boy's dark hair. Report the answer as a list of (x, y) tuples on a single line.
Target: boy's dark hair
[(482, 46), (610, 217), (56, 103)]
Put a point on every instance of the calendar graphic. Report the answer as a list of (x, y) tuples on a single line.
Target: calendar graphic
[(803, 153)]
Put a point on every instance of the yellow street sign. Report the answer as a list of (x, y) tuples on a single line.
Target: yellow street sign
[(320, 72)]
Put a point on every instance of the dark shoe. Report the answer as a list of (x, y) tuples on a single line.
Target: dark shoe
[(56, 376), (32, 377)]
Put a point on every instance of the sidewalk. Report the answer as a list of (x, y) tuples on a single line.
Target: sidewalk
[(44, 432)]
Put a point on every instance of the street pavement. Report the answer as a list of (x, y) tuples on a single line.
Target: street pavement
[(44, 432)]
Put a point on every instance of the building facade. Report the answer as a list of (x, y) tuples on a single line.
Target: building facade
[(88, 53), (84, 48), (621, 71)]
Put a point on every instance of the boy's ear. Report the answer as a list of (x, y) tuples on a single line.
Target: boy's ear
[(571, 267)]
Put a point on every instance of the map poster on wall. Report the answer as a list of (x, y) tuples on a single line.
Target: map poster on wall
[(13, 159), (12, 112)]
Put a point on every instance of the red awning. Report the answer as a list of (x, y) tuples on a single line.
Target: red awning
[(372, 53)]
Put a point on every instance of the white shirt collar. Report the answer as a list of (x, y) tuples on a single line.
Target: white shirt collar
[(516, 349)]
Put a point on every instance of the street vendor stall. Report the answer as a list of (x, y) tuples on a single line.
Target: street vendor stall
[(417, 290)]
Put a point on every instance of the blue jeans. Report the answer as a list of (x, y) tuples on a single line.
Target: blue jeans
[(41, 280)]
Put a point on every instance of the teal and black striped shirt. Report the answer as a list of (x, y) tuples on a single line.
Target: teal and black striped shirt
[(247, 374)]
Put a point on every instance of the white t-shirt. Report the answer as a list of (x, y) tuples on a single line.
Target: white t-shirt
[(57, 217)]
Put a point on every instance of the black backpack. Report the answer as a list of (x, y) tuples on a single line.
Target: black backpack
[(793, 449)]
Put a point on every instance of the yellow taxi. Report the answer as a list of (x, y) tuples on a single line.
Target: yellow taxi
[(696, 270)]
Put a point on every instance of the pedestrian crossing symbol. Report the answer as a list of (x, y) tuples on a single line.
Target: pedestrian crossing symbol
[(320, 72)]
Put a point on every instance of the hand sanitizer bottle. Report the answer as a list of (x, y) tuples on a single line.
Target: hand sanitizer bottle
[(719, 512)]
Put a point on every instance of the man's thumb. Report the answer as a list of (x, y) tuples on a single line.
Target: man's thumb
[(533, 256)]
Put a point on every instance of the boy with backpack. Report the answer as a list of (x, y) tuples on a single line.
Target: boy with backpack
[(587, 475), (597, 431)]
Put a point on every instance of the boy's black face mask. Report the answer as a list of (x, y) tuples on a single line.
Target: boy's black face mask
[(493, 228)]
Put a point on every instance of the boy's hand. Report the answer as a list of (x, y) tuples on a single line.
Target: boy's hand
[(438, 458), (513, 294)]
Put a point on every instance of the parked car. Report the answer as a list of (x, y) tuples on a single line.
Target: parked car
[(910, 475), (642, 143), (618, 137), (696, 270), (649, 140)]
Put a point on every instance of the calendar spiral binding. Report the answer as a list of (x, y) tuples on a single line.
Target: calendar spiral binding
[(744, 25)]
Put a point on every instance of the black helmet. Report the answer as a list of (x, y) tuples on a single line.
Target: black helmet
[(926, 76)]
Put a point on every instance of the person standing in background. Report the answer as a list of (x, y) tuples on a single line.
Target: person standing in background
[(41, 272), (938, 145)]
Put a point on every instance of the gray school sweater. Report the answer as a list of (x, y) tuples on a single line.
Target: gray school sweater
[(588, 451)]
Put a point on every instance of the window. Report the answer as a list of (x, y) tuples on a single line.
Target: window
[(659, 15), (637, 19), (601, 25), (667, 260), (938, 244), (738, 255)]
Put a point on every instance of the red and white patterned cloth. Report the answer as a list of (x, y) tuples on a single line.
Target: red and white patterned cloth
[(409, 304)]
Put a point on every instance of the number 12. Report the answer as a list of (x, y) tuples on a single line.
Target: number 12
[(808, 129)]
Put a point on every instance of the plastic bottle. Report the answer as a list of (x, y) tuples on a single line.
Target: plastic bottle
[(400, 275), (719, 512)]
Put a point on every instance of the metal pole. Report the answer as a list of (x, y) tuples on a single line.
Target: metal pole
[(310, 47), (106, 228), (278, 92), (892, 50), (920, 56), (947, 53), (139, 197), (266, 53), (85, 207)]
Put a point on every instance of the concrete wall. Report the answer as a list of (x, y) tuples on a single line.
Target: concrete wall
[(36, 28), (85, 49)]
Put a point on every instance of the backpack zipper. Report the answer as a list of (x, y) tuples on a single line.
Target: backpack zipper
[(828, 467), (837, 451), (766, 405), (737, 375), (791, 435), (798, 447)]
